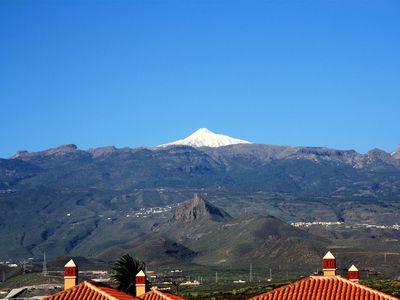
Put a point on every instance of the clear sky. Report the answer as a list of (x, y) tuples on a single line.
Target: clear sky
[(135, 73)]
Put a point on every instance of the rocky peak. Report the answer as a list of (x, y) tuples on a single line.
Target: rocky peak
[(62, 149), (197, 208), (96, 152), (378, 156), (21, 154), (396, 154)]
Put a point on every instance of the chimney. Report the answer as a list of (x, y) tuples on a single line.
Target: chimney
[(353, 273), (329, 264), (140, 283), (70, 274)]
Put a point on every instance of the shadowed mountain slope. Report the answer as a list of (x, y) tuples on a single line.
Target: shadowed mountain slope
[(241, 167), (78, 202), (212, 237)]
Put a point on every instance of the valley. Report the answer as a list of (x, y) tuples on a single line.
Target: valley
[(253, 203)]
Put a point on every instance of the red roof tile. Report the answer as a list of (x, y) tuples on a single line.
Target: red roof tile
[(158, 295), (324, 288), (97, 291), (90, 291)]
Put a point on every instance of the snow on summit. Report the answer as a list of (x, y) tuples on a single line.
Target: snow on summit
[(206, 138)]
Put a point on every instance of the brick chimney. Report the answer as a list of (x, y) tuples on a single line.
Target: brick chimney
[(70, 274), (140, 283), (329, 264), (353, 273)]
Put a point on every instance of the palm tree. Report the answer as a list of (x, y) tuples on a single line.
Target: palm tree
[(125, 270)]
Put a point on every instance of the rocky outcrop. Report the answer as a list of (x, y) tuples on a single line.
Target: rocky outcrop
[(396, 154), (102, 151), (197, 209), (21, 153), (60, 150), (379, 158)]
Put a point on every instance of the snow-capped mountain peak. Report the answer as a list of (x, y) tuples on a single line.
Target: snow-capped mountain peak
[(206, 138)]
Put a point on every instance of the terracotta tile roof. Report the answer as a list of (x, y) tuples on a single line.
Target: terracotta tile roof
[(96, 291), (90, 291), (158, 295), (324, 288)]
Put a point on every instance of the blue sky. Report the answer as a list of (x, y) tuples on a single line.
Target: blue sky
[(134, 73)]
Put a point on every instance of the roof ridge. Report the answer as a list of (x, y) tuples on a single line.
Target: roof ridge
[(337, 277), (367, 288), (98, 290), (356, 284), (62, 291), (162, 294), (282, 287)]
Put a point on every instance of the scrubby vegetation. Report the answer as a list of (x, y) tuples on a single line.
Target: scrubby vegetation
[(30, 279), (388, 286), (236, 293)]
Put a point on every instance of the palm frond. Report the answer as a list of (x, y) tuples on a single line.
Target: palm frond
[(126, 268)]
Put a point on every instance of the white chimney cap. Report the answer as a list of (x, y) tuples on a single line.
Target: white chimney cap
[(141, 273), (353, 268), (329, 255), (71, 263)]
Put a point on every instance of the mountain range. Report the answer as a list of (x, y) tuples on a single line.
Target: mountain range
[(69, 201), (238, 167)]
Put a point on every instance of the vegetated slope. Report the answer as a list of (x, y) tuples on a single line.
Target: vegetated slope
[(13, 171), (205, 237), (70, 201), (121, 169), (84, 221), (242, 167)]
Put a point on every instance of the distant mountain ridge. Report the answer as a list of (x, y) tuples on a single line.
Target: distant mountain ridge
[(238, 167), (63, 149), (96, 201), (262, 152), (259, 151)]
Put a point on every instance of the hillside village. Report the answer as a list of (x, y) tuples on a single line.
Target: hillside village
[(186, 280), (199, 150)]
